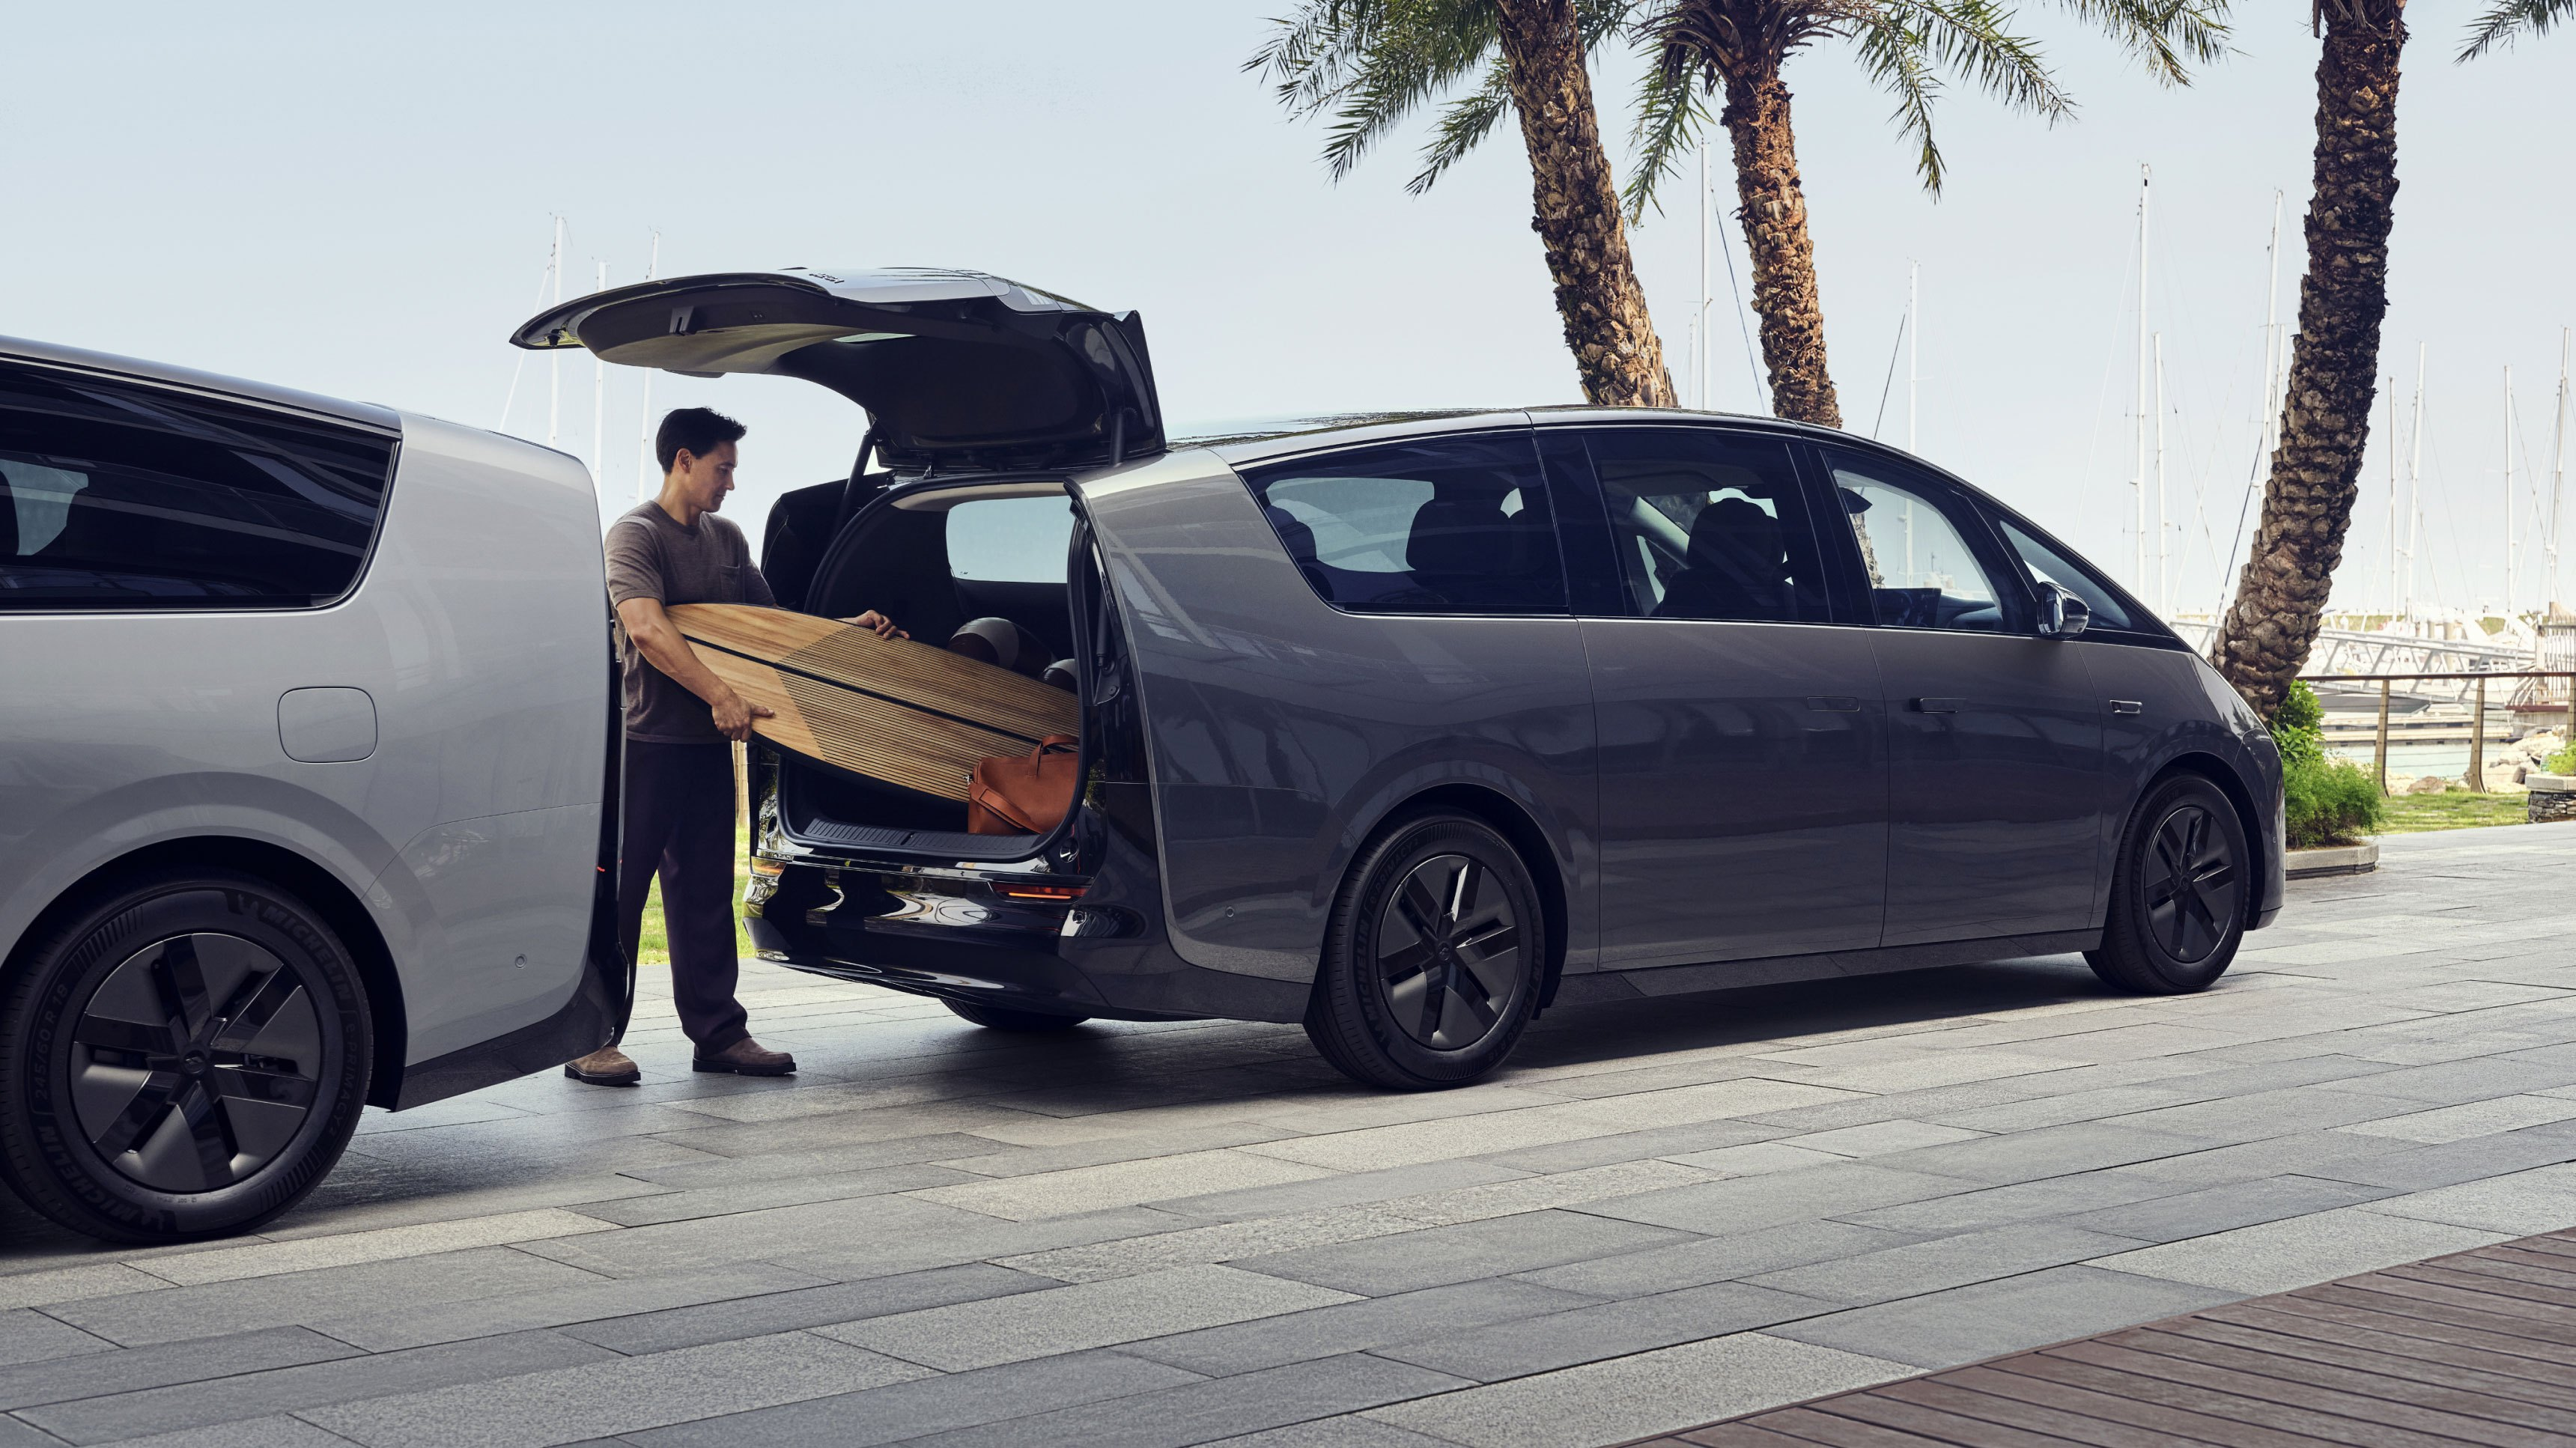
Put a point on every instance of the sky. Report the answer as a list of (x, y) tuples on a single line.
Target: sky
[(359, 201)]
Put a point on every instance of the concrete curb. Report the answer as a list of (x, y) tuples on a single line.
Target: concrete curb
[(2358, 859)]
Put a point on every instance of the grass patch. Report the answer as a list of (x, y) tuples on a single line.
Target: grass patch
[(2460, 810)]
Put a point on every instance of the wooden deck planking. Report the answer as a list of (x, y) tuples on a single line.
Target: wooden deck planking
[(2472, 1350)]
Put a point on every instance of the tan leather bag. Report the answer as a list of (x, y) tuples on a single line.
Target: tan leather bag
[(1025, 794)]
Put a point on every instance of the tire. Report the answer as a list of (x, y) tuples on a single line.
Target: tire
[(1003, 1018), (2159, 939), (185, 1058), (1432, 959)]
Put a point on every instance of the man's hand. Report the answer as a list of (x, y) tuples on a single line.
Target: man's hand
[(878, 624), (734, 716)]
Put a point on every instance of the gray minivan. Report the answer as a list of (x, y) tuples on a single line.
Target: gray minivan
[(1404, 728), (307, 782)]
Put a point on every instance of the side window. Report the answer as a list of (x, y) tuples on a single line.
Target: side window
[(1010, 540), (1709, 526), (116, 497), (1922, 571), (2049, 565), (1445, 525)]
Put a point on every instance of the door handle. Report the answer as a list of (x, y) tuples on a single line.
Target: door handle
[(1939, 706), (2128, 706), (1833, 703)]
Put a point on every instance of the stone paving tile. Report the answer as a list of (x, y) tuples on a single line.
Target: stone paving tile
[(746, 1315), (2082, 1198), (1349, 1431), (1648, 1392), (2277, 1256), (983, 1333), (2523, 1204), (126, 1370), (1433, 1256), (1369, 1323), (1661, 1141), (74, 1284), (173, 1313), (1214, 1409), (1345, 1189), (1523, 1346), (401, 1325), (313, 1385), (720, 1201), (2459, 1123), (267, 1259), (2047, 1152), (2167, 1218), (1384, 1146), (1964, 1324), (1698, 1260), (275, 1431), (614, 1397), (1748, 1203), (918, 1407), (28, 1336), (1121, 1184), (1944, 1262)]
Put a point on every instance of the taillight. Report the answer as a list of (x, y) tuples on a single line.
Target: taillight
[(1041, 892)]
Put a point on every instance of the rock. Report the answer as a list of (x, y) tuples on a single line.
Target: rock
[(2430, 784)]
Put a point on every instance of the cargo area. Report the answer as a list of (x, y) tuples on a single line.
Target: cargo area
[(987, 558)]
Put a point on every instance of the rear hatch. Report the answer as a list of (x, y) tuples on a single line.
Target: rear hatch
[(958, 371), (965, 378)]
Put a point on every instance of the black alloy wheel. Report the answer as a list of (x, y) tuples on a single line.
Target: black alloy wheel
[(2179, 893), (185, 1059), (1433, 957)]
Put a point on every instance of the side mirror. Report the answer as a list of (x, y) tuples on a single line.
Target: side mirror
[(2062, 615)]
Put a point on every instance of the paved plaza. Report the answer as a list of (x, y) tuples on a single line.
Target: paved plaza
[(1665, 1213)]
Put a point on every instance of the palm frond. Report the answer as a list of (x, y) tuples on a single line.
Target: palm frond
[(1893, 54), (1670, 120), (1467, 121), (2510, 20), (2167, 36), (1967, 38)]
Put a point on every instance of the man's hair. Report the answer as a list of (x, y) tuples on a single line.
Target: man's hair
[(699, 430)]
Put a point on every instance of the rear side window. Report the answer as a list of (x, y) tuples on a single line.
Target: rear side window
[(116, 497), (1010, 540), (1445, 525), (2048, 565), (1709, 526)]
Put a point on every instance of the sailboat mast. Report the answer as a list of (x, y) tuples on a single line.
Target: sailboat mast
[(2415, 481), (648, 477), (554, 358), (2509, 559), (2558, 470), (1699, 331), (599, 397), (2164, 523), (2396, 600), (2272, 348), (2138, 479), (1913, 346)]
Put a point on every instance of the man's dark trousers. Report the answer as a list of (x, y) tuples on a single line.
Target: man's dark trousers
[(679, 821)]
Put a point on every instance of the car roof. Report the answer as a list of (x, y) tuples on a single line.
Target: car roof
[(366, 414), (1259, 440)]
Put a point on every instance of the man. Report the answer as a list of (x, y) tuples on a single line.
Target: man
[(679, 801)]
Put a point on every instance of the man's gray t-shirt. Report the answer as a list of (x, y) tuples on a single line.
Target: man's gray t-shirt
[(651, 556)]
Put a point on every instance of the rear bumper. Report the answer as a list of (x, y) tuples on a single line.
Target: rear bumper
[(1013, 935)]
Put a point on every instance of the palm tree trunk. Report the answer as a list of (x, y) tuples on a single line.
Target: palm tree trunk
[(2334, 366), (1773, 210), (1576, 210)]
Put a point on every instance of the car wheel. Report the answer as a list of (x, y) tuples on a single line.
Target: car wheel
[(184, 1058), (2178, 895), (1432, 957), (1002, 1018)]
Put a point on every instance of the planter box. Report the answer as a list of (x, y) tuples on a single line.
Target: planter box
[(2553, 797), (2358, 859)]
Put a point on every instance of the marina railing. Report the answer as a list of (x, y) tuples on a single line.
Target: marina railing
[(2476, 779)]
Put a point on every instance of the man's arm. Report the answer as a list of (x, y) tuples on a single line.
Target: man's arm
[(664, 649)]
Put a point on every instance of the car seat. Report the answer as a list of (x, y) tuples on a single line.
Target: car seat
[(1737, 566)]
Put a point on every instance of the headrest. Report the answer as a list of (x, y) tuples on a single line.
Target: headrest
[(1298, 538), (1737, 534), (1000, 642), (8, 519), (1461, 536)]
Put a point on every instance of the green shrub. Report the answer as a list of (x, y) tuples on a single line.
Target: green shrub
[(2563, 762), (2328, 802), (2300, 726)]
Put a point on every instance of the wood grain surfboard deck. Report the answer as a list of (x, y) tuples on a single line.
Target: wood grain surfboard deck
[(892, 709)]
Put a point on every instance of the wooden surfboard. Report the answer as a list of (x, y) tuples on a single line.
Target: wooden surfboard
[(892, 709)]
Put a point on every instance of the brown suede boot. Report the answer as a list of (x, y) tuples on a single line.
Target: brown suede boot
[(747, 1058), (607, 1066)]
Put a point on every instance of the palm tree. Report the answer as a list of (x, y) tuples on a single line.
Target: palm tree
[(1736, 49), (1368, 63), (2307, 502)]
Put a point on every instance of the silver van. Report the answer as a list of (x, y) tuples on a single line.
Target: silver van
[(1405, 728), (307, 782)]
